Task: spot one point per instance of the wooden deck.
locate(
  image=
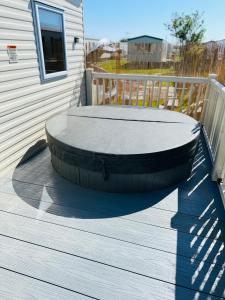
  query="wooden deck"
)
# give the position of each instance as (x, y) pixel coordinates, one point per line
(59, 241)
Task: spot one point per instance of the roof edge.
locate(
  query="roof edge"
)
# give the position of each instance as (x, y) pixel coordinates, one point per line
(141, 36)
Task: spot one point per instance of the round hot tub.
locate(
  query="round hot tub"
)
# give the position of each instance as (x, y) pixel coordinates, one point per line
(122, 149)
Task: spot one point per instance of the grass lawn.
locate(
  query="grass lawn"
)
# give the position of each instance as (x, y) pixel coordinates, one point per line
(110, 66)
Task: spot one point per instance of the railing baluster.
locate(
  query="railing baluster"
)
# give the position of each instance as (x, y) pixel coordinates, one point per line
(152, 94)
(97, 91)
(182, 96)
(198, 100)
(117, 92)
(103, 100)
(190, 99)
(159, 94)
(145, 90)
(110, 91)
(123, 92)
(205, 103)
(137, 92)
(149, 92)
(130, 92)
(167, 95)
(174, 96)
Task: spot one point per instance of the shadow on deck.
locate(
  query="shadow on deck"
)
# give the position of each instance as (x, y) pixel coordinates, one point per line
(179, 232)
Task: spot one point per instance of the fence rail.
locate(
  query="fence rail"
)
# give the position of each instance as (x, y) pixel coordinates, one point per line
(200, 97)
(184, 94)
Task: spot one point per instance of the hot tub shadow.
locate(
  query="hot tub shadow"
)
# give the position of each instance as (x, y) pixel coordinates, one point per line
(37, 183)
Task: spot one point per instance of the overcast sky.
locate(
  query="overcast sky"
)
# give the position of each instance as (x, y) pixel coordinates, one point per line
(116, 19)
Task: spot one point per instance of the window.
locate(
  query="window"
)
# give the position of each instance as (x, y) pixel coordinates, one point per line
(50, 35)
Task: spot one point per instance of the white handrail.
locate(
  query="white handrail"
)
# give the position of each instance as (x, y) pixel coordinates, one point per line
(135, 77)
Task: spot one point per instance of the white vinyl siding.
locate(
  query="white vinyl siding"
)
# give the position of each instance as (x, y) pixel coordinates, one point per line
(25, 102)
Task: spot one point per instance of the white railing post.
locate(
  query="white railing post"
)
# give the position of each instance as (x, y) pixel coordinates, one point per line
(89, 86)
(212, 76)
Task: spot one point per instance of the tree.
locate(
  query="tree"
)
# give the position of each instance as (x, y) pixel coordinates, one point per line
(188, 29)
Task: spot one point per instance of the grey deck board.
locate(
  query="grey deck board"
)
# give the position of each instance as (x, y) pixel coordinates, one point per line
(114, 253)
(22, 287)
(167, 244)
(151, 215)
(80, 275)
(118, 229)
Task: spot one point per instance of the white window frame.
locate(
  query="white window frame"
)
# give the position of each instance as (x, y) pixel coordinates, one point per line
(44, 75)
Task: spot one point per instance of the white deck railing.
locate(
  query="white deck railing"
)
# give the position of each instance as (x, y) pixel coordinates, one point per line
(184, 94)
(200, 97)
(213, 120)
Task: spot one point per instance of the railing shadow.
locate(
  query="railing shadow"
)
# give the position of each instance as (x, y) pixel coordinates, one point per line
(201, 253)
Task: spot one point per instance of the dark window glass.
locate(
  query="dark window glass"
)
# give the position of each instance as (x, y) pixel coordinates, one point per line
(51, 26)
